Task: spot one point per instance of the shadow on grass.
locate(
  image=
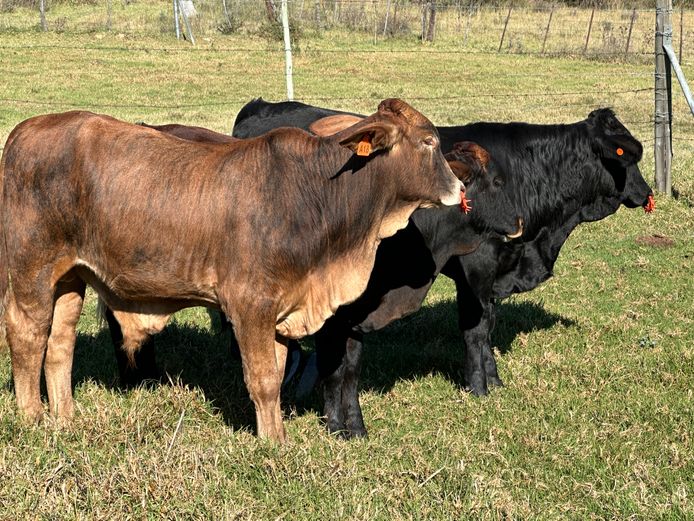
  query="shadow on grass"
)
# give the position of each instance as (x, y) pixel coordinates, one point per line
(430, 342)
(187, 355)
(424, 343)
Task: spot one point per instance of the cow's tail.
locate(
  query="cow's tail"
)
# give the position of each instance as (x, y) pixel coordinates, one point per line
(4, 269)
(100, 313)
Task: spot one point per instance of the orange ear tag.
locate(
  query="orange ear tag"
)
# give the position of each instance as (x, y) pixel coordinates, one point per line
(620, 152)
(364, 146)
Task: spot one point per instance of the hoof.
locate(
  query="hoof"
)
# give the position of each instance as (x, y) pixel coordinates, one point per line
(494, 381)
(477, 390)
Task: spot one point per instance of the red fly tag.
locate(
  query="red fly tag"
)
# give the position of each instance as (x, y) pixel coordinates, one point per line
(464, 203)
(620, 152)
(650, 204)
(364, 146)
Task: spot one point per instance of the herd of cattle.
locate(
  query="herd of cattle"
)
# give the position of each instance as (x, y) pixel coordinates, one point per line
(306, 221)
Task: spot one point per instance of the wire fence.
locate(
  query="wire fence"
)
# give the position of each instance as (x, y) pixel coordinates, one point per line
(471, 26)
(389, 31)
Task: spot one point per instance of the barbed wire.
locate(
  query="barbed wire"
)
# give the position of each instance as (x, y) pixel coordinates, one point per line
(322, 99)
(299, 52)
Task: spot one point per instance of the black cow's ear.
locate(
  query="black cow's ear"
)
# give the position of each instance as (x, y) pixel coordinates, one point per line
(461, 170)
(467, 159)
(365, 138)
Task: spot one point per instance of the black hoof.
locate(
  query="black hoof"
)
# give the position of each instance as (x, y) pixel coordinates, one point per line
(494, 381)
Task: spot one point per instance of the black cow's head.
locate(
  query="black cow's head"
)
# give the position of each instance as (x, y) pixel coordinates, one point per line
(491, 207)
(619, 153)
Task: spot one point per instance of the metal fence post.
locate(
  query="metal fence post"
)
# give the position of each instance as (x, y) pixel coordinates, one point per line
(177, 22)
(663, 98)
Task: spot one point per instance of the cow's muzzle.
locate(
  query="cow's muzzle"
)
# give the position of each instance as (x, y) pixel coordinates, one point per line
(517, 233)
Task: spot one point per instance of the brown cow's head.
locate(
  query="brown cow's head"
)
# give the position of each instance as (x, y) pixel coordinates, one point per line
(409, 143)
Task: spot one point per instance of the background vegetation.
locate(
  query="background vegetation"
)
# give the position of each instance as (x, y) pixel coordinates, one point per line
(596, 417)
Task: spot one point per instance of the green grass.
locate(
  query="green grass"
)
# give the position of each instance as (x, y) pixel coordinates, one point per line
(596, 418)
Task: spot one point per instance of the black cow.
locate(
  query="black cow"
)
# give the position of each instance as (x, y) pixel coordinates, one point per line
(557, 175)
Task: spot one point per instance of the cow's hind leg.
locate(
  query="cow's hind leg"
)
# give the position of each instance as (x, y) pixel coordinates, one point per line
(28, 322)
(69, 298)
(262, 355)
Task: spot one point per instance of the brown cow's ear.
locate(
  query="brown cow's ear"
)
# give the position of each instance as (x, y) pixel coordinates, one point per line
(365, 138)
(333, 124)
(461, 170)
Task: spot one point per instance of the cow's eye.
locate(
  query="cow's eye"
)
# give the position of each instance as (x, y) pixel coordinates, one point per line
(430, 141)
(498, 181)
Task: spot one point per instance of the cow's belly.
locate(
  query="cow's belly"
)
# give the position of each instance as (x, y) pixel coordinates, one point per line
(323, 292)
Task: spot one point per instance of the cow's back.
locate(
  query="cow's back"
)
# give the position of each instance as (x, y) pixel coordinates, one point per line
(259, 117)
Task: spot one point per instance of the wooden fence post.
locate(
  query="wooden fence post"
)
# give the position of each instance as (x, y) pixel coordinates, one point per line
(631, 27)
(385, 25)
(590, 27)
(431, 27)
(681, 28)
(544, 40)
(503, 33)
(663, 98)
(42, 15)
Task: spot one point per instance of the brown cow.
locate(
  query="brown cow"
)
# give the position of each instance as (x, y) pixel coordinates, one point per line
(300, 216)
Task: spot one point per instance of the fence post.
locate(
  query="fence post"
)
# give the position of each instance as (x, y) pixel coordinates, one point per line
(109, 10)
(42, 15)
(503, 33)
(681, 28)
(631, 27)
(287, 51)
(590, 27)
(177, 22)
(189, 29)
(469, 21)
(385, 25)
(544, 41)
(663, 98)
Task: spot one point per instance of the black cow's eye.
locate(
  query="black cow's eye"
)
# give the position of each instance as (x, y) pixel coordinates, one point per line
(430, 141)
(498, 181)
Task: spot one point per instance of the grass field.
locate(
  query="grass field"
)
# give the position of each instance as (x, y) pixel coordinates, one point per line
(596, 420)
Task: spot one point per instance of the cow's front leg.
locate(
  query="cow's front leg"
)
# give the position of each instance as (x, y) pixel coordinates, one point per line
(338, 353)
(263, 356)
(354, 420)
(473, 321)
(488, 359)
